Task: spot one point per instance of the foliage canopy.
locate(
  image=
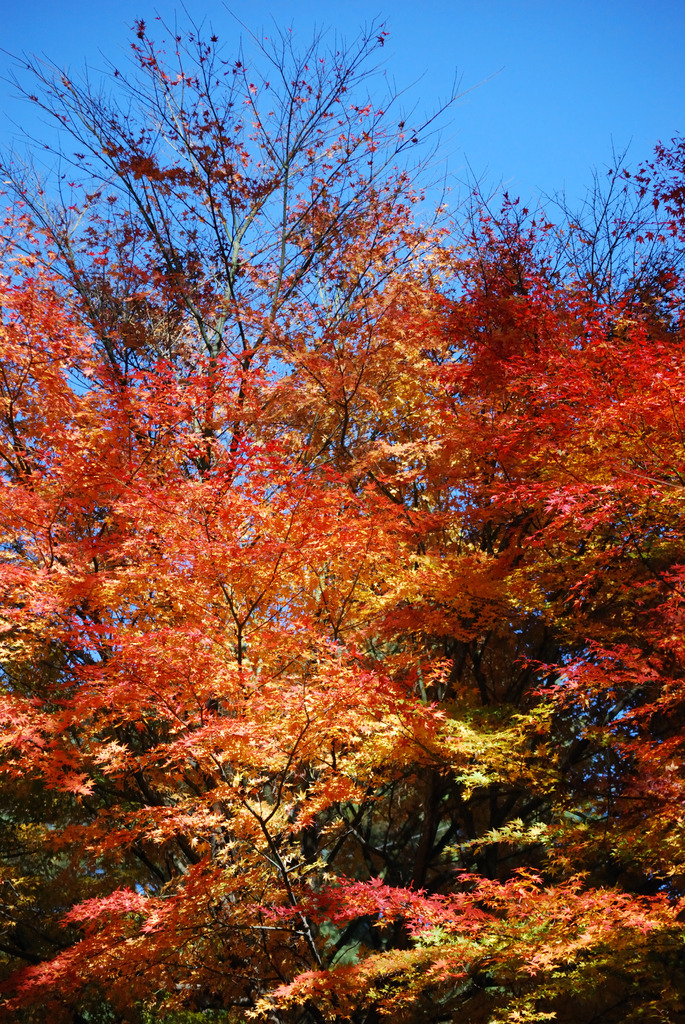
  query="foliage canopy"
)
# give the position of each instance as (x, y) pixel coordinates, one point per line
(342, 569)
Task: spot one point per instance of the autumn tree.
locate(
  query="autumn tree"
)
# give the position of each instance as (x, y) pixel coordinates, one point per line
(341, 571)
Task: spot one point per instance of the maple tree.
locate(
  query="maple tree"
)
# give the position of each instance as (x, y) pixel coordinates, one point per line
(342, 566)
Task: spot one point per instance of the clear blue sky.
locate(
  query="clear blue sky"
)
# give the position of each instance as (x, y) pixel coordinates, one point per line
(560, 79)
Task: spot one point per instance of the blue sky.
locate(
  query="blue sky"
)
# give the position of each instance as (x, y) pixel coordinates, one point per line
(552, 84)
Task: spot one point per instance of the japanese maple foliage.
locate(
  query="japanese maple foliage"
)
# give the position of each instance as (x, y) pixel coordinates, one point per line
(341, 575)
